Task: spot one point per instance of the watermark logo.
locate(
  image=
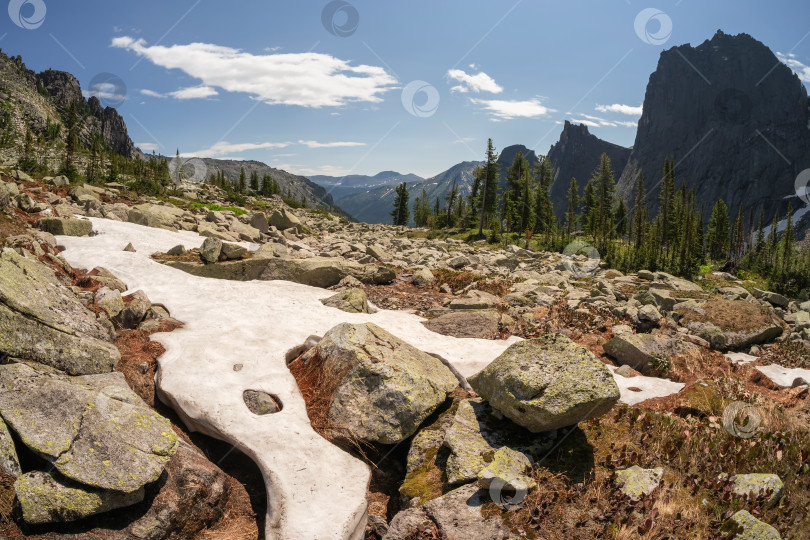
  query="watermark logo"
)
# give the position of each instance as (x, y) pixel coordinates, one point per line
(27, 14)
(180, 169)
(421, 99)
(741, 419)
(508, 495)
(340, 18)
(577, 249)
(109, 89)
(801, 184)
(653, 26)
(733, 106)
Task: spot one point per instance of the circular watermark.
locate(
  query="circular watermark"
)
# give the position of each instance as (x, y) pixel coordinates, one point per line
(801, 184)
(421, 99)
(578, 248)
(181, 169)
(741, 419)
(653, 26)
(733, 106)
(508, 495)
(340, 18)
(109, 89)
(27, 14)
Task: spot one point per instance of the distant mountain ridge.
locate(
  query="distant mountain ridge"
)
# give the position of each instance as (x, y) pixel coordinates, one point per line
(343, 186)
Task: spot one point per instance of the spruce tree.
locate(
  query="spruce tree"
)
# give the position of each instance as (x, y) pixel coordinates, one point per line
(718, 235)
(573, 205)
(489, 188)
(641, 213)
(401, 213)
(242, 180)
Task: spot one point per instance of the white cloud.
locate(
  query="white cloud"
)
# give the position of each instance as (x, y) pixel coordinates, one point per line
(328, 170)
(224, 148)
(596, 121)
(507, 110)
(104, 90)
(152, 93)
(336, 144)
(193, 92)
(304, 79)
(800, 69)
(147, 146)
(618, 108)
(477, 83)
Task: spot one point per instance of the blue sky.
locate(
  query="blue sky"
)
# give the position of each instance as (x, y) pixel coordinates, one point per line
(317, 87)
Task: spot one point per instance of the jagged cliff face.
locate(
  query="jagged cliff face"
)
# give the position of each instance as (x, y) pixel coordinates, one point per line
(732, 117)
(32, 100)
(576, 155)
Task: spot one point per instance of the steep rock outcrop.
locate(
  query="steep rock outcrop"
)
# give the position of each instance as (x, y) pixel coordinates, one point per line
(732, 117)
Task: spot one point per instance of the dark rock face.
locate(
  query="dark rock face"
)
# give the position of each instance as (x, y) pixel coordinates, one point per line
(732, 117)
(63, 89)
(576, 155)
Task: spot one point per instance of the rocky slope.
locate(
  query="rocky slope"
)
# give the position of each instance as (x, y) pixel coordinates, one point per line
(450, 401)
(577, 155)
(733, 118)
(34, 99)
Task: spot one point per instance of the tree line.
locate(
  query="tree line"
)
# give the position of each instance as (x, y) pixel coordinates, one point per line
(627, 237)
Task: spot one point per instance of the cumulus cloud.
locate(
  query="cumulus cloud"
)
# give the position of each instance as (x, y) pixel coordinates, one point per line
(618, 108)
(478, 83)
(596, 121)
(303, 79)
(224, 148)
(104, 90)
(147, 146)
(800, 69)
(193, 92)
(327, 170)
(507, 110)
(336, 144)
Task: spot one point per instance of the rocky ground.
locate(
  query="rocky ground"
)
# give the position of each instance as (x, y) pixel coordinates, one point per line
(474, 391)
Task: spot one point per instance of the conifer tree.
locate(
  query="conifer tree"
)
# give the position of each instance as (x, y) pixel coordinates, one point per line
(489, 188)
(242, 180)
(401, 214)
(718, 234)
(573, 205)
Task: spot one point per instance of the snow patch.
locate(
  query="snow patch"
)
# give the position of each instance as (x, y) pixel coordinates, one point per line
(254, 324)
(740, 358)
(783, 376)
(648, 387)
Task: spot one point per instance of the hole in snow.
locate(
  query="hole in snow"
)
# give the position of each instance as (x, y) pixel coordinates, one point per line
(297, 351)
(261, 403)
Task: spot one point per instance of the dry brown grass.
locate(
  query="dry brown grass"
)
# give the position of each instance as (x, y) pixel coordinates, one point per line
(731, 316)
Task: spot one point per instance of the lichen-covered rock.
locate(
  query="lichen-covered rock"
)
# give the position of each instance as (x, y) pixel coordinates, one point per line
(379, 387)
(635, 482)
(641, 351)
(46, 499)
(92, 428)
(483, 324)
(423, 278)
(260, 402)
(351, 301)
(283, 220)
(210, 250)
(233, 252)
(408, 523)
(458, 515)
(756, 483)
(9, 462)
(110, 301)
(43, 321)
(136, 308)
(508, 468)
(66, 226)
(155, 215)
(547, 383)
(743, 323)
(743, 526)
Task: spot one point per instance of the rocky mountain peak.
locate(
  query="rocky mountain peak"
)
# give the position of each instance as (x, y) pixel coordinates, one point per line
(577, 155)
(732, 117)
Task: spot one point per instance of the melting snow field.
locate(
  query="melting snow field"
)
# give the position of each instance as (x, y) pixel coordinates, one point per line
(315, 490)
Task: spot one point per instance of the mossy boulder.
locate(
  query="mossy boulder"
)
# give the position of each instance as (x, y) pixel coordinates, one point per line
(759, 483)
(210, 250)
(352, 300)
(508, 468)
(743, 526)
(43, 321)
(547, 383)
(155, 215)
(642, 351)
(378, 387)
(92, 428)
(43, 498)
(636, 483)
(66, 226)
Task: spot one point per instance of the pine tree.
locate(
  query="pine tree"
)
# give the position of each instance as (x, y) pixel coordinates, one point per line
(620, 218)
(450, 197)
(254, 181)
(242, 180)
(604, 188)
(573, 205)
(178, 168)
(738, 236)
(401, 213)
(641, 213)
(489, 188)
(718, 234)
(787, 244)
(422, 212)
